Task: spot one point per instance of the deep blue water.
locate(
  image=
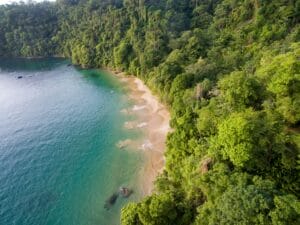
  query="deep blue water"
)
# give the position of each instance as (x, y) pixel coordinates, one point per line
(58, 132)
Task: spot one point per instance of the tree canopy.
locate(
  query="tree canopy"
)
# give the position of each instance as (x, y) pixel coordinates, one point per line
(229, 71)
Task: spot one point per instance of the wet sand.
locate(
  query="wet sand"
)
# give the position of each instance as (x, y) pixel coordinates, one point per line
(153, 119)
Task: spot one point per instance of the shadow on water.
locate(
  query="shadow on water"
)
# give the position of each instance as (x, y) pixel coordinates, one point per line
(93, 75)
(34, 64)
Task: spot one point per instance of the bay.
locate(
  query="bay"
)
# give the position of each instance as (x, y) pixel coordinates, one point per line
(59, 126)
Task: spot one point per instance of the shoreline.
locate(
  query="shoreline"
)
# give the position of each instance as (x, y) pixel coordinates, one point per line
(153, 118)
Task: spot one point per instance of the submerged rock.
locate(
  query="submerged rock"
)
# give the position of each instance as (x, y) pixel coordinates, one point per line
(20, 77)
(123, 191)
(123, 144)
(111, 200)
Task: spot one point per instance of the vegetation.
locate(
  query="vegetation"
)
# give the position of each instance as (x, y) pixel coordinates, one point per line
(230, 71)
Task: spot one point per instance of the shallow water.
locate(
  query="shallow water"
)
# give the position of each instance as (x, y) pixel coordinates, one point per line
(58, 132)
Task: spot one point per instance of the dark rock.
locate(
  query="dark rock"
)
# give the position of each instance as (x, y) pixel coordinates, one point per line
(20, 77)
(111, 201)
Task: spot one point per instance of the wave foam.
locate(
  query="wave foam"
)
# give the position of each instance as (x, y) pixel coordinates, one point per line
(147, 145)
(141, 125)
(138, 107)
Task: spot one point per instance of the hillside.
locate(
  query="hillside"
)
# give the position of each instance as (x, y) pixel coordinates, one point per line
(229, 71)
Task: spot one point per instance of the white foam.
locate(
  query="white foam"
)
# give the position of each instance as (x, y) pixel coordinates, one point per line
(147, 145)
(129, 125)
(123, 144)
(138, 107)
(141, 125)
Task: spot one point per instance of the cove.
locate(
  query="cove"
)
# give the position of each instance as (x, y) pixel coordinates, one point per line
(59, 126)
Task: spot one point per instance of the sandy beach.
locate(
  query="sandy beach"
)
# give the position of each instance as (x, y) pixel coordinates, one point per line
(153, 118)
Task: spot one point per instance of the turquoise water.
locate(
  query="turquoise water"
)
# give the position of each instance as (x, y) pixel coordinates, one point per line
(58, 132)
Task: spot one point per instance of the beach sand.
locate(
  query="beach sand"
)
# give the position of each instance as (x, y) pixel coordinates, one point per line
(153, 118)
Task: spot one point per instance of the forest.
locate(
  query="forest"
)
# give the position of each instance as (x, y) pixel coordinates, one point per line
(229, 70)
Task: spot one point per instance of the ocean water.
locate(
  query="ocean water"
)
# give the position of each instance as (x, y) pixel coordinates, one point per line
(58, 132)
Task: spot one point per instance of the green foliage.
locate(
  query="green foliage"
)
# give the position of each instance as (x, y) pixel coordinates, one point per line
(27, 30)
(158, 210)
(245, 201)
(154, 210)
(238, 205)
(283, 75)
(129, 215)
(287, 210)
(208, 119)
(241, 91)
(122, 55)
(229, 71)
(244, 139)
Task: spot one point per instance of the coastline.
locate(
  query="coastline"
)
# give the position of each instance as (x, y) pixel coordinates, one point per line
(153, 119)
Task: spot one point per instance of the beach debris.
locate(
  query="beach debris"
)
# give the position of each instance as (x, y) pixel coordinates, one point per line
(20, 77)
(111, 200)
(125, 192)
(123, 144)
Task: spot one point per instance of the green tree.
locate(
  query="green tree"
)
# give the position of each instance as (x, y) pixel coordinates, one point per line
(287, 210)
(240, 90)
(129, 215)
(248, 140)
(282, 77)
(158, 210)
(239, 205)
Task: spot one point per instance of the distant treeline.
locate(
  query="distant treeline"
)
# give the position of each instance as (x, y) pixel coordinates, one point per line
(230, 72)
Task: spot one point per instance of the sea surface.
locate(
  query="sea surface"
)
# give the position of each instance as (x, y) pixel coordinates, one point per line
(59, 126)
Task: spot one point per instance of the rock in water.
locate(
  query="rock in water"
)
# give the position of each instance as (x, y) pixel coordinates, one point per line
(20, 77)
(111, 201)
(125, 192)
(123, 144)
